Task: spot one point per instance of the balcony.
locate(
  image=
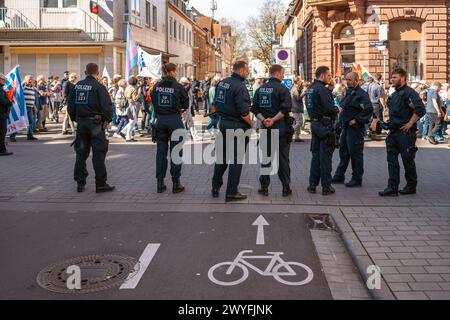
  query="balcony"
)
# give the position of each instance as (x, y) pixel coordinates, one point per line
(48, 20)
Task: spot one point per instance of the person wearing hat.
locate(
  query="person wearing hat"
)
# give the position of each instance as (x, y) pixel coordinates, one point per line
(5, 104)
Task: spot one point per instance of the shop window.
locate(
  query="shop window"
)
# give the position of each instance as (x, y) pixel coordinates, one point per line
(405, 47)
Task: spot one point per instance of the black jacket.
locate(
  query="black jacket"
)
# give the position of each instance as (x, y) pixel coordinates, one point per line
(403, 104)
(169, 97)
(319, 101)
(88, 98)
(271, 98)
(232, 99)
(5, 104)
(356, 105)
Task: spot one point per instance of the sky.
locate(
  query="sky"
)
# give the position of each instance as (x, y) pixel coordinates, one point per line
(239, 10)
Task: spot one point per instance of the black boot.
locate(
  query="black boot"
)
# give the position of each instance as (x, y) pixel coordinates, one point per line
(104, 188)
(338, 180)
(353, 184)
(312, 189)
(81, 187)
(264, 191)
(177, 187)
(287, 191)
(389, 192)
(408, 191)
(161, 186)
(215, 192)
(327, 191)
(235, 197)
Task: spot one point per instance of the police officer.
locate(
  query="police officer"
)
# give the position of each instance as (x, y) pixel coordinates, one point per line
(5, 104)
(232, 102)
(322, 111)
(170, 100)
(90, 106)
(357, 111)
(272, 104)
(405, 109)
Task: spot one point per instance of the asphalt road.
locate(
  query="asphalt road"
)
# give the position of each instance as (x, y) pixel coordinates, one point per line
(187, 246)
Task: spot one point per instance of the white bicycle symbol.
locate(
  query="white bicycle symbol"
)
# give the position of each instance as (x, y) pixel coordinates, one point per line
(274, 269)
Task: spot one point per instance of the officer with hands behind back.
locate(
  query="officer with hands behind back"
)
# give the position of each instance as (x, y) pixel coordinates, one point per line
(272, 104)
(232, 102)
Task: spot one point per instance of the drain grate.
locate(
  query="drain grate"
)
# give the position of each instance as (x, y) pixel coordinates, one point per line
(98, 273)
(320, 222)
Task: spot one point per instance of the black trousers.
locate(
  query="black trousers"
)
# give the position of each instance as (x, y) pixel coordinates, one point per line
(284, 170)
(90, 135)
(322, 161)
(3, 130)
(351, 150)
(403, 144)
(165, 126)
(230, 162)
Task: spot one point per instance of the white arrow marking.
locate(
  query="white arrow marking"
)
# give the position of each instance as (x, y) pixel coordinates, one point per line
(145, 259)
(260, 222)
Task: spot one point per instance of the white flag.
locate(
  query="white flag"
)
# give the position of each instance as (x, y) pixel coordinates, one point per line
(149, 65)
(106, 73)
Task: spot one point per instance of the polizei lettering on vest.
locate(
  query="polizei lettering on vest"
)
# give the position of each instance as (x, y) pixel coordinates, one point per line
(165, 90)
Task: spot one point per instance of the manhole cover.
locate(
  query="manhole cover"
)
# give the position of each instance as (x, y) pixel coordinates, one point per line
(97, 273)
(320, 222)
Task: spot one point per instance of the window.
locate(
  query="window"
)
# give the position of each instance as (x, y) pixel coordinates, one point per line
(171, 27)
(183, 34)
(347, 32)
(155, 18)
(148, 17)
(70, 3)
(136, 7)
(179, 32)
(49, 3)
(175, 29)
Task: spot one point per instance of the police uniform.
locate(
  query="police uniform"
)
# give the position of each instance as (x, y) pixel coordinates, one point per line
(402, 104)
(89, 104)
(5, 104)
(356, 106)
(232, 102)
(269, 100)
(170, 100)
(322, 111)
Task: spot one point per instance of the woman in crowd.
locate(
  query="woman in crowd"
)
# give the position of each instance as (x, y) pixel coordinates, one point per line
(213, 124)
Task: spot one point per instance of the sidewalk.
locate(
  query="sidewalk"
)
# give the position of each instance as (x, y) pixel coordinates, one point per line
(408, 237)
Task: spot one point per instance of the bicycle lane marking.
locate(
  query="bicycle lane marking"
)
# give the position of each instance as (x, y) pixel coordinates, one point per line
(144, 261)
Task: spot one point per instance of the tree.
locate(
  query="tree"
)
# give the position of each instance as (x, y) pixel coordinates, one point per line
(262, 29)
(238, 30)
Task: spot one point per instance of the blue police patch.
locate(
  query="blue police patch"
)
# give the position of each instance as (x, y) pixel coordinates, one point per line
(81, 96)
(265, 100)
(221, 95)
(309, 99)
(165, 100)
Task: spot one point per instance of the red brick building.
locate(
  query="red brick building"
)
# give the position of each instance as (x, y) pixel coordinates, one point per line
(331, 32)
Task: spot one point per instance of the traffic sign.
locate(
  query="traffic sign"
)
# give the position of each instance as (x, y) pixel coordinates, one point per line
(283, 55)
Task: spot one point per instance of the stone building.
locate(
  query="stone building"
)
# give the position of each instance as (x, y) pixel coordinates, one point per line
(338, 33)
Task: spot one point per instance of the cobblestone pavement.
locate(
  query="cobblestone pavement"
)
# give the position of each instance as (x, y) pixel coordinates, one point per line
(408, 237)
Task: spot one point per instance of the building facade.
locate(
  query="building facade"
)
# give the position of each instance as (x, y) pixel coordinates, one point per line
(181, 37)
(335, 33)
(52, 36)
